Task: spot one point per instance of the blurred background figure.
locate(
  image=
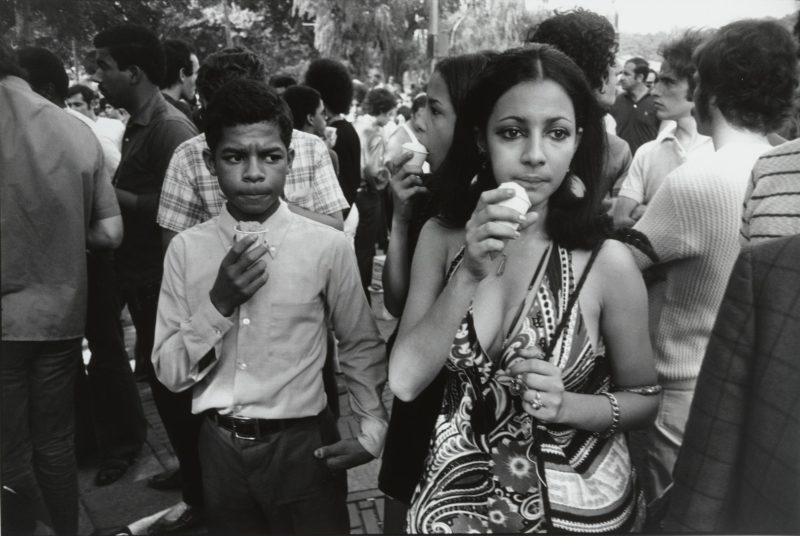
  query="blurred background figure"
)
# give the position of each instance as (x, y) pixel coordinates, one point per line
(180, 75)
(57, 200)
(633, 110)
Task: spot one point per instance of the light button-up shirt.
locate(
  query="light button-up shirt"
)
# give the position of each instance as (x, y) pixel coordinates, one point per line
(265, 360)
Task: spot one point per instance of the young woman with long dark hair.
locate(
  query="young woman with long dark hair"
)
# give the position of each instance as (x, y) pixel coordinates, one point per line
(539, 321)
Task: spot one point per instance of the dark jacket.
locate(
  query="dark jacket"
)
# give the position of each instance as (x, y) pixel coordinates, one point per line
(739, 467)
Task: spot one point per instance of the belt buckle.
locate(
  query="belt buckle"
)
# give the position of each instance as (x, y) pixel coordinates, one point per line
(240, 435)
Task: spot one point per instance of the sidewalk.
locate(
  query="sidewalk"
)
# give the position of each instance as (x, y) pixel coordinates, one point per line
(129, 501)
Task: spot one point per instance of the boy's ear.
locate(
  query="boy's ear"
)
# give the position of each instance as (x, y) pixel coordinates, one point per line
(211, 164)
(309, 119)
(290, 157)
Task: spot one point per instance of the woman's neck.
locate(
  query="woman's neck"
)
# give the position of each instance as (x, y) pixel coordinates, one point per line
(537, 228)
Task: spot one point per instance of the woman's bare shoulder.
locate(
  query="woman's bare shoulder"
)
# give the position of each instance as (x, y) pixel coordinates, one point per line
(440, 238)
(615, 257)
(613, 267)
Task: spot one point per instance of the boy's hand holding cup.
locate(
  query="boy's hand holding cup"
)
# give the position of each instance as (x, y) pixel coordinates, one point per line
(243, 270)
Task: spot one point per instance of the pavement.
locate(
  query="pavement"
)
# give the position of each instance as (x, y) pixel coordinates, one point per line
(130, 502)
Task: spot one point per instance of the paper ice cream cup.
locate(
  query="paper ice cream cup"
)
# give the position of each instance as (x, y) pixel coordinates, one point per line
(519, 203)
(418, 150)
(245, 229)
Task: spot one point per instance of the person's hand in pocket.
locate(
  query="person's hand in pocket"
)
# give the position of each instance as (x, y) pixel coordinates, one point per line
(344, 454)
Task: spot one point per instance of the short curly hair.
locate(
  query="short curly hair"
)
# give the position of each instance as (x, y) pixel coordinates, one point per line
(585, 37)
(334, 83)
(132, 44)
(678, 53)
(227, 65)
(750, 68)
(379, 101)
(246, 102)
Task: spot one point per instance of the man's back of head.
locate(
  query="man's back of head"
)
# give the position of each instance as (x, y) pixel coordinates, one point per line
(45, 73)
(225, 66)
(590, 41)
(748, 72)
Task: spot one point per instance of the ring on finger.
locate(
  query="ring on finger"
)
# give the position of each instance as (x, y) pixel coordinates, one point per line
(536, 403)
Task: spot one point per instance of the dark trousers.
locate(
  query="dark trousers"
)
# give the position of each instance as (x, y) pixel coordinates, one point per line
(38, 428)
(368, 232)
(175, 409)
(107, 386)
(274, 485)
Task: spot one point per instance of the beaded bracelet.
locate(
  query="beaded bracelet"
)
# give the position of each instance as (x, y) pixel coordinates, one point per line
(615, 414)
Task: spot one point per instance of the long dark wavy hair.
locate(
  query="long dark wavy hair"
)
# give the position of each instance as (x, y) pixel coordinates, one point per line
(572, 222)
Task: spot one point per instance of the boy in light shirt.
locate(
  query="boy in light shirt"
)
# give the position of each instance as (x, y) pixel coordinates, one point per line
(243, 323)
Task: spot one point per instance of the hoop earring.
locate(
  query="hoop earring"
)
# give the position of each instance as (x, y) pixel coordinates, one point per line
(576, 186)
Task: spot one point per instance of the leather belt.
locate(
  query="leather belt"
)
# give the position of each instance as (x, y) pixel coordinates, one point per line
(254, 429)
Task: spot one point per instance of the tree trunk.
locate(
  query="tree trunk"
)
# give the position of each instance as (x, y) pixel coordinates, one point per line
(75, 65)
(22, 15)
(227, 23)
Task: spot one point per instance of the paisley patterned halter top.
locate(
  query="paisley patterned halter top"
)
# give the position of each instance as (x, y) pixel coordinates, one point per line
(521, 475)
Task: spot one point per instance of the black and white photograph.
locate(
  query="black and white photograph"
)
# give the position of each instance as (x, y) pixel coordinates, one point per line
(399, 267)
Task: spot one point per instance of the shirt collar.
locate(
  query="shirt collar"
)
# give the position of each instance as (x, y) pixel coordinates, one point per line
(15, 82)
(151, 107)
(276, 227)
(668, 131)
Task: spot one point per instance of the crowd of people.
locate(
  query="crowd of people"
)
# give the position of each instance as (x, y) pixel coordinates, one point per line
(595, 272)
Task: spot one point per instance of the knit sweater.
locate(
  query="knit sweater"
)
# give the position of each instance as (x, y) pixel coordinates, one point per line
(693, 224)
(772, 202)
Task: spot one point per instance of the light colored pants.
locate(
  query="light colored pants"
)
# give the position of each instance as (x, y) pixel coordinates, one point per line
(664, 440)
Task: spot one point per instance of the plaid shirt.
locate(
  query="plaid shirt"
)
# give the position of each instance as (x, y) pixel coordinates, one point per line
(191, 194)
(739, 466)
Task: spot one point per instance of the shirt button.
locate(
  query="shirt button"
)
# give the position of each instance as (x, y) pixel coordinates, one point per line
(242, 366)
(237, 408)
(246, 321)
(217, 331)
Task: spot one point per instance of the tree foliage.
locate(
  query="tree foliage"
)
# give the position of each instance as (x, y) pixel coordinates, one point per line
(388, 34)
(367, 33)
(270, 28)
(486, 25)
